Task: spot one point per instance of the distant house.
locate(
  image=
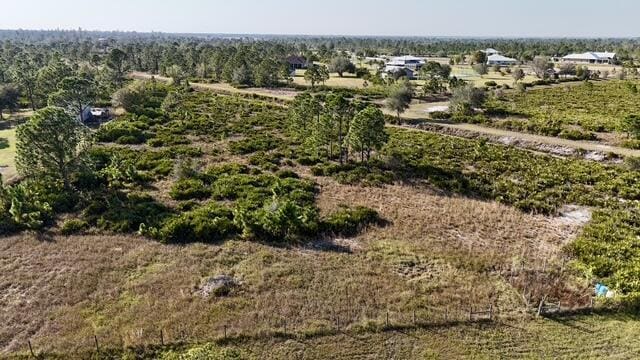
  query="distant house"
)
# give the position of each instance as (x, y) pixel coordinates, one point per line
(591, 58)
(407, 61)
(490, 51)
(297, 62)
(497, 59)
(398, 72)
(408, 65)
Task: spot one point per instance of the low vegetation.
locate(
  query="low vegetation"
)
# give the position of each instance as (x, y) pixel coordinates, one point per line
(573, 112)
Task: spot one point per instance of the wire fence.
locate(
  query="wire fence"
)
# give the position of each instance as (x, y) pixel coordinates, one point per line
(279, 327)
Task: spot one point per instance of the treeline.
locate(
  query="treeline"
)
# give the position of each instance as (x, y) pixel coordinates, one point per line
(520, 48)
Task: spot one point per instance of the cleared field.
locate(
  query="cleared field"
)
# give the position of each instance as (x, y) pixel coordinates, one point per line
(334, 81)
(440, 247)
(281, 94)
(59, 292)
(463, 228)
(466, 72)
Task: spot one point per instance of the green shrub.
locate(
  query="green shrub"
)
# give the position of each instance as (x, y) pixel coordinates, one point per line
(280, 219)
(119, 212)
(440, 115)
(287, 174)
(73, 226)
(185, 189)
(575, 134)
(350, 221)
(122, 132)
(209, 223)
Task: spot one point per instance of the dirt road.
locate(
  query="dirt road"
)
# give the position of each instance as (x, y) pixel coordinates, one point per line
(280, 94)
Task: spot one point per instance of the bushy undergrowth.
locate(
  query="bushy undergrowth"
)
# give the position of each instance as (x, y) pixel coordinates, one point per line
(595, 107)
(348, 221)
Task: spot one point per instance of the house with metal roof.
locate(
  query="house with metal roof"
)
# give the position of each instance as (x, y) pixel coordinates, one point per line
(491, 51)
(408, 65)
(497, 59)
(591, 58)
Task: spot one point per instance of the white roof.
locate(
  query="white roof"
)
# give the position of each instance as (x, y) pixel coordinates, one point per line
(402, 60)
(396, 68)
(490, 51)
(500, 58)
(591, 56)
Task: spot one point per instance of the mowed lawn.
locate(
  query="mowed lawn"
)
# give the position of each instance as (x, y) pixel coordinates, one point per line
(466, 73)
(7, 154)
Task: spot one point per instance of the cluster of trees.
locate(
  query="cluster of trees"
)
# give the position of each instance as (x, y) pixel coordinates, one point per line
(333, 125)
(436, 77)
(51, 154)
(33, 79)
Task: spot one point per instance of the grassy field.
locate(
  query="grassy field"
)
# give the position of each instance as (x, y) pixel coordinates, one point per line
(348, 81)
(280, 94)
(439, 248)
(466, 72)
(466, 225)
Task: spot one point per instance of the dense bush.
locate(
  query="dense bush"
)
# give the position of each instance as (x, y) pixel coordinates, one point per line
(575, 134)
(185, 189)
(123, 132)
(73, 226)
(208, 223)
(350, 221)
(119, 212)
(355, 173)
(595, 107)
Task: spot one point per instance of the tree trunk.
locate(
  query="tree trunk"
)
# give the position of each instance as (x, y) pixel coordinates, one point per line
(33, 103)
(340, 139)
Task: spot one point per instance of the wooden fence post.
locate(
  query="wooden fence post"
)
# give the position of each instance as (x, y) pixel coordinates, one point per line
(490, 312)
(95, 338)
(387, 318)
(471, 314)
(414, 318)
(540, 306)
(31, 349)
(225, 330)
(161, 338)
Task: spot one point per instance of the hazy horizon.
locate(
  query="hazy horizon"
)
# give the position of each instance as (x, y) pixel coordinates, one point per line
(464, 18)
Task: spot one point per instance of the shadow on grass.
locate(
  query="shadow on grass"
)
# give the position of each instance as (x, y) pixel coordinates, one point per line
(4, 143)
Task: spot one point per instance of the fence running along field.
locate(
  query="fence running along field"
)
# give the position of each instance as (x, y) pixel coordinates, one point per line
(279, 328)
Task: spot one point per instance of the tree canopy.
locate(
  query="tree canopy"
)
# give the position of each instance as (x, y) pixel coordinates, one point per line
(51, 144)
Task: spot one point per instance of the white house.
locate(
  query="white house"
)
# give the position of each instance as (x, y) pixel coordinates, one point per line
(490, 51)
(407, 61)
(497, 59)
(408, 64)
(591, 58)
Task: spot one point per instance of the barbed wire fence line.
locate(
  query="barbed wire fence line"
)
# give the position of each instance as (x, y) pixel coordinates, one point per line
(276, 326)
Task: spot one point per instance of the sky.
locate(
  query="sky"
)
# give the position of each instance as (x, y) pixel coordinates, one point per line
(469, 18)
